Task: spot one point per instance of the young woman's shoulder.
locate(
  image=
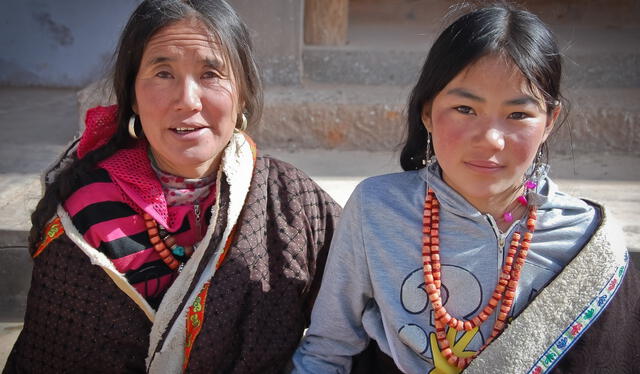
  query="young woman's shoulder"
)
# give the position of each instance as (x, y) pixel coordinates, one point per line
(563, 208)
(392, 181)
(565, 221)
(391, 189)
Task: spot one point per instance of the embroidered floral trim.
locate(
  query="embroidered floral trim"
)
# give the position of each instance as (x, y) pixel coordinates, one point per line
(195, 315)
(579, 325)
(53, 231)
(195, 319)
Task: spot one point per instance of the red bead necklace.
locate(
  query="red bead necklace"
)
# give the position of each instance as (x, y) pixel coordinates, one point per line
(164, 244)
(505, 290)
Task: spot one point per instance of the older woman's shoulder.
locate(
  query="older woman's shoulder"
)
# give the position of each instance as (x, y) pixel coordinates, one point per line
(95, 183)
(279, 167)
(281, 175)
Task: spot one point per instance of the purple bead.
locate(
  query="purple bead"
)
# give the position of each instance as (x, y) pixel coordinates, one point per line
(507, 216)
(530, 184)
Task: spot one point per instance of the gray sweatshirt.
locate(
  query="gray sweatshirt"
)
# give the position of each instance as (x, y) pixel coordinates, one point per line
(373, 285)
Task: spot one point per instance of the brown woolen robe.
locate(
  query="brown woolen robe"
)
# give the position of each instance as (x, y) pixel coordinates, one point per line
(78, 320)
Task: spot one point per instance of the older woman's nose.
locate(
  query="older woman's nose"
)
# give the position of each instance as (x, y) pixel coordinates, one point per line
(189, 96)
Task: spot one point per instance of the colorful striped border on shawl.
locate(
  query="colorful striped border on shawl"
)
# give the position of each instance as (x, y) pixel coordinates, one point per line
(53, 231)
(579, 325)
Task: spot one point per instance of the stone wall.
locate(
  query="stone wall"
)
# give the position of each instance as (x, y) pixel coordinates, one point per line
(70, 43)
(276, 27)
(614, 13)
(59, 43)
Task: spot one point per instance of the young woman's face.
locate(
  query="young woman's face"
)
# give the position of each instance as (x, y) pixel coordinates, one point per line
(486, 127)
(186, 99)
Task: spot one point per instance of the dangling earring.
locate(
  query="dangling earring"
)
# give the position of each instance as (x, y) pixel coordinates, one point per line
(427, 152)
(530, 183)
(538, 161)
(243, 122)
(537, 166)
(132, 127)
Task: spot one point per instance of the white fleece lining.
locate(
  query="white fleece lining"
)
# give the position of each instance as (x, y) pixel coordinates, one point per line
(557, 305)
(237, 165)
(63, 160)
(98, 258)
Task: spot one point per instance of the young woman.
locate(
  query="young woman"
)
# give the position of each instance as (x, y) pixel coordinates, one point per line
(164, 243)
(472, 258)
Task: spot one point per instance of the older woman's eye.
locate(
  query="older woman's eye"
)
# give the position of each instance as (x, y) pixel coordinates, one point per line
(163, 74)
(464, 109)
(210, 75)
(518, 115)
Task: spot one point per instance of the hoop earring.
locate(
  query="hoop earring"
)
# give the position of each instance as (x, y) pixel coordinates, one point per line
(243, 122)
(132, 127)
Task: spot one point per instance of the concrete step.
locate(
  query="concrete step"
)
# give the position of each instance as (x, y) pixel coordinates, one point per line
(9, 332)
(388, 53)
(356, 117)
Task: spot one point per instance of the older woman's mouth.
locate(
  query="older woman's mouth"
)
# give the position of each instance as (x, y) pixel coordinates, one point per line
(185, 130)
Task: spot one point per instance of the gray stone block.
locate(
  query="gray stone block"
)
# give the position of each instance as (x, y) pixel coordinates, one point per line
(15, 278)
(635, 257)
(345, 65)
(380, 66)
(334, 117)
(276, 28)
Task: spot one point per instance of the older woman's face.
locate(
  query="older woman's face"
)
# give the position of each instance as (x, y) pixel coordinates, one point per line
(186, 99)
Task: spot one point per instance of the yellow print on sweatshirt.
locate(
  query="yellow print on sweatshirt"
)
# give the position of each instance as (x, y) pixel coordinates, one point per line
(458, 347)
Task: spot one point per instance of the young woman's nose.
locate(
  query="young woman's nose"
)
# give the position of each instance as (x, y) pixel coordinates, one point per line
(491, 136)
(495, 138)
(189, 96)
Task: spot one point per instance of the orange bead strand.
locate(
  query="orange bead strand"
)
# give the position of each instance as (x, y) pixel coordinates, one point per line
(158, 244)
(503, 294)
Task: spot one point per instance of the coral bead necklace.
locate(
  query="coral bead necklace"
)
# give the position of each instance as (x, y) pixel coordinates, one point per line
(164, 244)
(503, 294)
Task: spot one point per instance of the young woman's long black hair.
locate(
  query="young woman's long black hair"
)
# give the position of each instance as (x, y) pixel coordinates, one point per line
(499, 29)
(148, 18)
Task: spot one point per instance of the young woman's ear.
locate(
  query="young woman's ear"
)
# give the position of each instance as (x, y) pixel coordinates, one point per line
(426, 118)
(551, 121)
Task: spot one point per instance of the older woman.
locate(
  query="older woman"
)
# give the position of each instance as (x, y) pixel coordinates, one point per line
(163, 243)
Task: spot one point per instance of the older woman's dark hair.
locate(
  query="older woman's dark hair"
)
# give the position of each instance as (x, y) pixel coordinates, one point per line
(149, 17)
(501, 30)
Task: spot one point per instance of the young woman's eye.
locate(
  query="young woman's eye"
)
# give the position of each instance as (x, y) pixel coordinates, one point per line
(464, 109)
(518, 115)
